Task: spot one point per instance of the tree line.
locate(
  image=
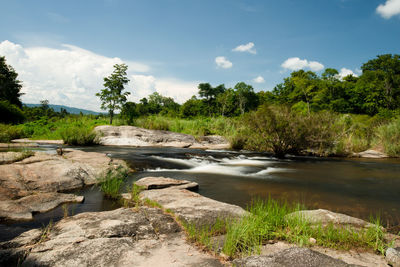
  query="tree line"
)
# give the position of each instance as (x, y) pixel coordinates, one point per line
(375, 91)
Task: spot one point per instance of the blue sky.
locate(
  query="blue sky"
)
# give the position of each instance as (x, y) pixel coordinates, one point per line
(63, 49)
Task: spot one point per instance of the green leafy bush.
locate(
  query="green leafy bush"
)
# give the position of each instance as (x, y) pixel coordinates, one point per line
(78, 136)
(10, 132)
(10, 113)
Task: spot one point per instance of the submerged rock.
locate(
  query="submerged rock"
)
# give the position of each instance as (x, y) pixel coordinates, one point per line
(326, 217)
(122, 237)
(135, 136)
(299, 257)
(31, 185)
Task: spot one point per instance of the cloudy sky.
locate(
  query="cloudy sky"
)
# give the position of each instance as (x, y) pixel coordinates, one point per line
(63, 49)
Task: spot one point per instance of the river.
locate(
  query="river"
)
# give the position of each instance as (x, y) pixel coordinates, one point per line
(357, 187)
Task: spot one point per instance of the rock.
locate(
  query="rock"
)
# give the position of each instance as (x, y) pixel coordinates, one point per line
(370, 153)
(25, 140)
(10, 156)
(122, 237)
(31, 185)
(23, 208)
(299, 257)
(192, 207)
(393, 256)
(326, 217)
(312, 240)
(162, 182)
(135, 136)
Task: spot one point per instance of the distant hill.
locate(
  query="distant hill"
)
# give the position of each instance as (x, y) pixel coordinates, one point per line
(71, 110)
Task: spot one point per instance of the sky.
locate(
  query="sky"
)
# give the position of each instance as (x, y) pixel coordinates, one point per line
(62, 50)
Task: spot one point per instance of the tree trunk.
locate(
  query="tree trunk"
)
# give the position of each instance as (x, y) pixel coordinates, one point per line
(111, 116)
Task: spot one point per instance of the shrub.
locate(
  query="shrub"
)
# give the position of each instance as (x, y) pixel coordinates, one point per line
(283, 131)
(75, 135)
(389, 136)
(10, 132)
(10, 113)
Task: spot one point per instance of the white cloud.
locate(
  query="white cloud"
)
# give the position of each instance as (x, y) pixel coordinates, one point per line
(222, 62)
(144, 85)
(259, 79)
(346, 72)
(295, 63)
(72, 76)
(389, 9)
(246, 48)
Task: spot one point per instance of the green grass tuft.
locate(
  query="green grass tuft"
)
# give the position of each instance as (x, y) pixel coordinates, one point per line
(111, 183)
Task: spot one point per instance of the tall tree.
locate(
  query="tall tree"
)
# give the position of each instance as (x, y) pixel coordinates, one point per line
(10, 86)
(112, 97)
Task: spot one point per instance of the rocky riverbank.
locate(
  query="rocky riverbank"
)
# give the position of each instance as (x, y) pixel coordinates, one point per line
(37, 182)
(147, 236)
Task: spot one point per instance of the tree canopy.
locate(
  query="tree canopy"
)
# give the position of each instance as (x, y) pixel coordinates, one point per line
(112, 98)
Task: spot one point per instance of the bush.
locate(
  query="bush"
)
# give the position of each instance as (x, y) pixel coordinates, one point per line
(78, 136)
(10, 113)
(283, 131)
(389, 136)
(10, 132)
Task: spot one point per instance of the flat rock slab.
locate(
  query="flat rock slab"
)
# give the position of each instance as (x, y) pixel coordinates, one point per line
(139, 137)
(23, 208)
(299, 257)
(150, 183)
(326, 217)
(45, 173)
(192, 207)
(122, 237)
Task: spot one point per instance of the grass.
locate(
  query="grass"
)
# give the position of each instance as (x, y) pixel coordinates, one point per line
(267, 220)
(112, 181)
(389, 136)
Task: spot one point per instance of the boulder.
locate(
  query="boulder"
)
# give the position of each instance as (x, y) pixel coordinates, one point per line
(31, 185)
(122, 237)
(325, 217)
(299, 257)
(135, 136)
(393, 256)
(12, 156)
(149, 183)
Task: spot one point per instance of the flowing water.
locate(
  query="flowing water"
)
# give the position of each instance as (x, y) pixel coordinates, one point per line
(357, 187)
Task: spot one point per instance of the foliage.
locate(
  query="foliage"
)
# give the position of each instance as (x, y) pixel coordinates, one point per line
(10, 113)
(389, 136)
(269, 220)
(10, 86)
(278, 129)
(78, 135)
(112, 98)
(10, 132)
(112, 181)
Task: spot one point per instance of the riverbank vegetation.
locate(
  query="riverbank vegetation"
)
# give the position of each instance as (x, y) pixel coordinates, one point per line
(324, 114)
(269, 221)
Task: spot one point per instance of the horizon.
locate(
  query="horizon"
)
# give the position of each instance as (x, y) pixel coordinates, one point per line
(62, 51)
